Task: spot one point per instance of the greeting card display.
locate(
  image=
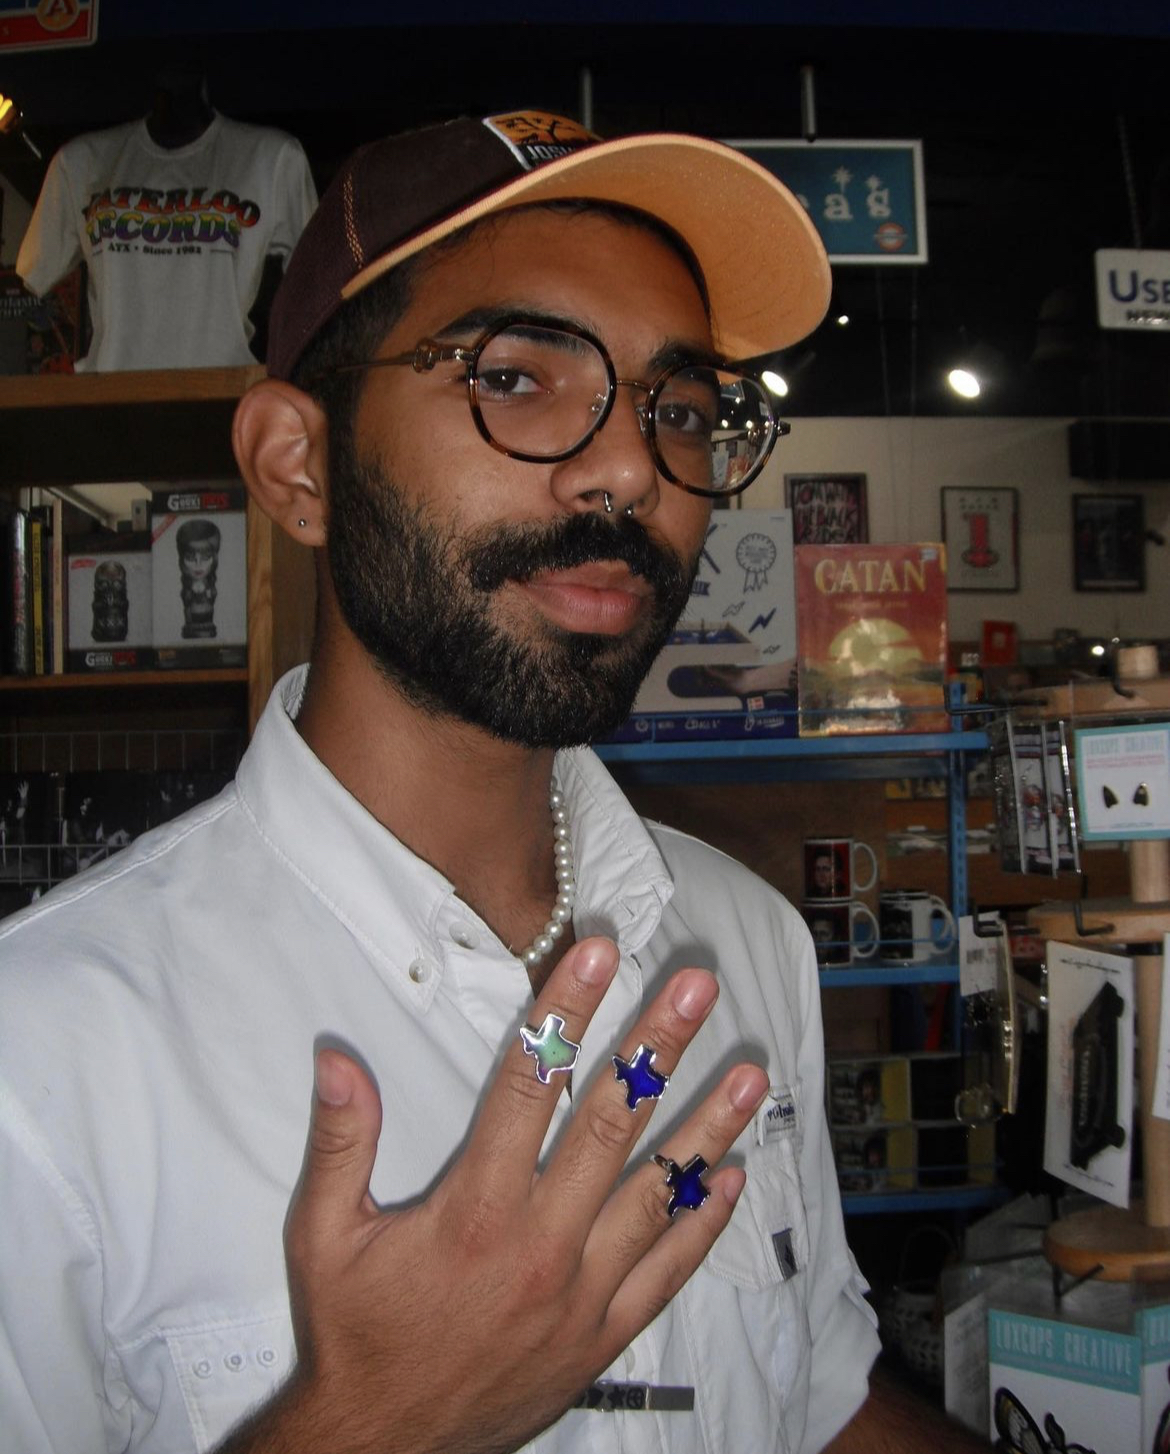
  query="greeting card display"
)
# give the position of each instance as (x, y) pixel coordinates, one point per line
(1034, 802)
(872, 638)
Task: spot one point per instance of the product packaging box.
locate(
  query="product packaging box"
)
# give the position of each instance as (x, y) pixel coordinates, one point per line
(1090, 1373)
(869, 1092)
(872, 638)
(874, 1159)
(109, 603)
(199, 533)
(732, 653)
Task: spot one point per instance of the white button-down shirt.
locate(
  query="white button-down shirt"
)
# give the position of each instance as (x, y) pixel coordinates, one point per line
(158, 1018)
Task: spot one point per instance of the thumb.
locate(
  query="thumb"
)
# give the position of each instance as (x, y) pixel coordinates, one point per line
(343, 1141)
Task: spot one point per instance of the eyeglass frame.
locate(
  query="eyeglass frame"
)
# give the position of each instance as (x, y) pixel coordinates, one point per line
(429, 351)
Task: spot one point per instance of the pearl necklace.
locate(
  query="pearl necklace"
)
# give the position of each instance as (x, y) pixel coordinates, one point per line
(562, 912)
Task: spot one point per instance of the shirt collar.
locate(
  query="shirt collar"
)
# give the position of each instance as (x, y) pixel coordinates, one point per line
(392, 900)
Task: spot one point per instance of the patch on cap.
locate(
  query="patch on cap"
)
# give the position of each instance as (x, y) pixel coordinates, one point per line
(536, 137)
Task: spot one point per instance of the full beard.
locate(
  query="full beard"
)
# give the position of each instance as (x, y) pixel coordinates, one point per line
(420, 600)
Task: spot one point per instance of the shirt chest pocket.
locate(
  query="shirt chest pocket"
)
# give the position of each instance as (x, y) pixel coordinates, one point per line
(766, 1242)
(226, 1369)
(761, 1261)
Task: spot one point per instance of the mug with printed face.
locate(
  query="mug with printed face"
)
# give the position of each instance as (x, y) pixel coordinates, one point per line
(915, 925)
(833, 924)
(831, 867)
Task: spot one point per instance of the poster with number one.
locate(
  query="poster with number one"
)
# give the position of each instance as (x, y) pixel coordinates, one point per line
(980, 527)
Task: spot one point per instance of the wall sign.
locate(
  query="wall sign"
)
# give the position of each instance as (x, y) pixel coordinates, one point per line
(1133, 288)
(980, 529)
(47, 24)
(866, 198)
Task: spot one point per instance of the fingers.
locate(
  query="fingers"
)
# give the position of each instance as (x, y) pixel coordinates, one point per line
(607, 1123)
(333, 1197)
(662, 1270)
(516, 1111)
(637, 1214)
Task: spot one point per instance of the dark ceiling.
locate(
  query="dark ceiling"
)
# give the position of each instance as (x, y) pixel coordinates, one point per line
(1040, 145)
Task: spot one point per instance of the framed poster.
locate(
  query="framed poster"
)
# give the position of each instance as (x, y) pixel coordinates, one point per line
(981, 530)
(1109, 543)
(827, 509)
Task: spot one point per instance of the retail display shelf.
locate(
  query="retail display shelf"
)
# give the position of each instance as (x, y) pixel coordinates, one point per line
(91, 681)
(940, 1199)
(892, 744)
(931, 972)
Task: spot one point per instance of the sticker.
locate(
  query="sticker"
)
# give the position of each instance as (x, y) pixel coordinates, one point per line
(536, 137)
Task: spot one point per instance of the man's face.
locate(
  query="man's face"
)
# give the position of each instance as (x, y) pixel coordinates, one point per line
(497, 590)
(823, 873)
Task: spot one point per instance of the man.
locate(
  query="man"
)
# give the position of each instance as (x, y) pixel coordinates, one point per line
(500, 425)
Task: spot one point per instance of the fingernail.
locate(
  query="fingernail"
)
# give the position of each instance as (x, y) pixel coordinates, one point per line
(694, 995)
(731, 1187)
(748, 1088)
(332, 1082)
(596, 961)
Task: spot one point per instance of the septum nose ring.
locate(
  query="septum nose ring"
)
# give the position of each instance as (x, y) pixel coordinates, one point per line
(607, 501)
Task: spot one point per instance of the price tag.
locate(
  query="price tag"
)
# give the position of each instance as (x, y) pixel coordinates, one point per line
(978, 956)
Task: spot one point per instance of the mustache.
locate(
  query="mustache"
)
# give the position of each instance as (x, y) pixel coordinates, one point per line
(518, 552)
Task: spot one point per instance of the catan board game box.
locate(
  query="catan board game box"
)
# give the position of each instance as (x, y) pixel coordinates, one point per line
(871, 626)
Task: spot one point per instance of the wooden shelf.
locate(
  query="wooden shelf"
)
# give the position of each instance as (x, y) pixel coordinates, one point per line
(91, 681)
(153, 386)
(161, 424)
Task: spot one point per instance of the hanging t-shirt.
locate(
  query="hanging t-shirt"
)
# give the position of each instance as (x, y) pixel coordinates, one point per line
(174, 239)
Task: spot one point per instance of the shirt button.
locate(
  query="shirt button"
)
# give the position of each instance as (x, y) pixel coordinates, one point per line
(203, 1368)
(267, 1356)
(419, 971)
(234, 1362)
(464, 935)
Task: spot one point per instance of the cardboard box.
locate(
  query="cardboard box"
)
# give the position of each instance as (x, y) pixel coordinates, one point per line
(868, 1092)
(874, 1159)
(1093, 1368)
(734, 648)
(200, 554)
(110, 604)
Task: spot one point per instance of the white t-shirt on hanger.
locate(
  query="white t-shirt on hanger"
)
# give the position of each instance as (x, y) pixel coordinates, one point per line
(175, 239)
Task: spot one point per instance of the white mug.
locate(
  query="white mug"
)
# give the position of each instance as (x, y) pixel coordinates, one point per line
(831, 867)
(915, 925)
(833, 924)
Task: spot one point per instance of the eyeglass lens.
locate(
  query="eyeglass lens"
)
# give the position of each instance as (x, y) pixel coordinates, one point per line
(540, 391)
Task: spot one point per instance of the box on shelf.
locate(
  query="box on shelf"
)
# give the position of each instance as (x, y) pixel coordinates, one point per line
(40, 335)
(868, 1092)
(872, 638)
(1091, 1371)
(199, 533)
(875, 1158)
(733, 650)
(109, 603)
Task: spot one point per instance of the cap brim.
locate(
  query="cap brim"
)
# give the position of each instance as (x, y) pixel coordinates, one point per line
(765, 266)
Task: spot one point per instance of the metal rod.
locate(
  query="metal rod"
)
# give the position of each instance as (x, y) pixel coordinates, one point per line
(585, 83)
(808, 103)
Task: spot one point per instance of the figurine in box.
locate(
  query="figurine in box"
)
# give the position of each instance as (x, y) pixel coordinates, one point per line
(198, 545)
(111, 603)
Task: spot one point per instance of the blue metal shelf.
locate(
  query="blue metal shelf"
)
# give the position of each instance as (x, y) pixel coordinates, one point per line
(932, 972)
(878, 744)
(945, 1199)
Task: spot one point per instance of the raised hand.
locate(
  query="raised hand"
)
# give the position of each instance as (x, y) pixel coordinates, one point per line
(470, 1321)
